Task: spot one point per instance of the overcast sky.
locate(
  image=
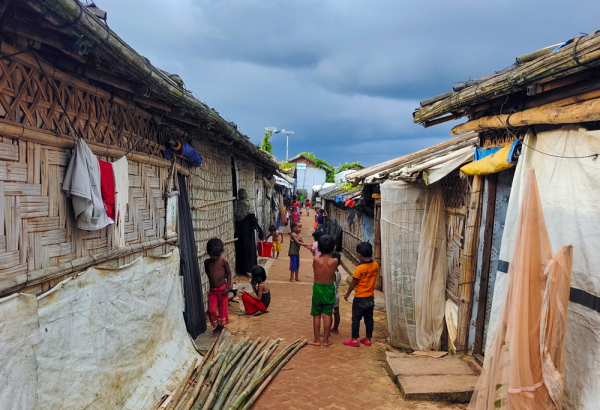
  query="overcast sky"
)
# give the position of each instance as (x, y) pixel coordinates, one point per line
(344, 75)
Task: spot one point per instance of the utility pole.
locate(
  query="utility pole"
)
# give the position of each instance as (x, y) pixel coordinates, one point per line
(287, 143)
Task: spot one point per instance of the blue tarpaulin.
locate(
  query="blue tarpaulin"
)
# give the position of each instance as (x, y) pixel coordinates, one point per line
(185, 151)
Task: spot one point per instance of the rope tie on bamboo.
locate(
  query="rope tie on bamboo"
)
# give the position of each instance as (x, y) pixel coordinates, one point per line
(577, 61)
(72, 23)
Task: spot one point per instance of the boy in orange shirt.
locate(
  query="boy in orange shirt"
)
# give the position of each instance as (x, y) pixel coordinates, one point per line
(363, 284)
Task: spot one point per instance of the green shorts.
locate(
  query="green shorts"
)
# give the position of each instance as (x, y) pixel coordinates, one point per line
(323, 299)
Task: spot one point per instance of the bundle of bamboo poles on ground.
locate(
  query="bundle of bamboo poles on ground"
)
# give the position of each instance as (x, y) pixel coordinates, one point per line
(231, 376)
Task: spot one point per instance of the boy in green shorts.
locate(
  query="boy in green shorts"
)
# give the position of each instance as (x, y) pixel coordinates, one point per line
(323, 298)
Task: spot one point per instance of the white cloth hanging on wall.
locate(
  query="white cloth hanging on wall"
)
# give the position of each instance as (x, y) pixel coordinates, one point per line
(82, 184)
(121, 171)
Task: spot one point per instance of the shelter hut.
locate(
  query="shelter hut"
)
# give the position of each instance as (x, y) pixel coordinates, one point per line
(308, 173)
(549, 101)
(345, 221)
(399, 189)
(67, 77)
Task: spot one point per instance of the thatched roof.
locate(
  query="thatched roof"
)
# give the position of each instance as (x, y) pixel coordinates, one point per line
(408, 167)
(70, 26)
(535, 78)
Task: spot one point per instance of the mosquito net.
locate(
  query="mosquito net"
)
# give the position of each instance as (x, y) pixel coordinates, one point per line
(525, 368)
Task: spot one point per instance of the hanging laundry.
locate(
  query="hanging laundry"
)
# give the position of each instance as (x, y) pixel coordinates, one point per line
(186, 151)
(121, 174)
(82, 184)
(107, 188)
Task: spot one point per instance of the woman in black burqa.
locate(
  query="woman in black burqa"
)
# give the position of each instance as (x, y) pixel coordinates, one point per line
(245, 227)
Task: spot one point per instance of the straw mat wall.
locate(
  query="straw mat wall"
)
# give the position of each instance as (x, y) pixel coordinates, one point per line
(37, 228)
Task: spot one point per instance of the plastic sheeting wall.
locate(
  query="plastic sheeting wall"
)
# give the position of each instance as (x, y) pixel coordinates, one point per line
(308, 177)
(402, 208)
(570, 201)
(109, 338)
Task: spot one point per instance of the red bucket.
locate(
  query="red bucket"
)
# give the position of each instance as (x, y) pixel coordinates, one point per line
(264, 249)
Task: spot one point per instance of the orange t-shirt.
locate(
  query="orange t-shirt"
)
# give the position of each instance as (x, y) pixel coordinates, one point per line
(366, 273)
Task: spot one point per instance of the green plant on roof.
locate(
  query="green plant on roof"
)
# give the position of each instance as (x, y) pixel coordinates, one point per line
(329, 172)
(286, 166)
(347, 166)
(266, 142)
(348, 187)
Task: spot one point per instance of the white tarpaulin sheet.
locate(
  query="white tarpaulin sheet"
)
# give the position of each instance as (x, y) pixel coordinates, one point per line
(105, 339)
(570, 195)
(437, 168)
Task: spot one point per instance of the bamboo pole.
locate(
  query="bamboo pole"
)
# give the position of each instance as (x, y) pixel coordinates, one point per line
(182, 386)
(465, 285)
(216, 201)
(262, 375)
(189, 400)
(553, 113)
(223, 375)
(232, 379)
(560, 63)
(208, 383)
(252, 361)
(80, 264)
(268, 380)
(44, 137)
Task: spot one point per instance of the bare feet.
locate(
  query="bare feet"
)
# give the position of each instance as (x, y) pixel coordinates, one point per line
(314, 343)
(297, 280)
(335, 331)
(292, 280)
(327, 343)
(217, 331)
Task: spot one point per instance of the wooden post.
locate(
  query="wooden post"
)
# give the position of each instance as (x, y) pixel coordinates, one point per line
(465, 284)
(492, 183)
(377, 241)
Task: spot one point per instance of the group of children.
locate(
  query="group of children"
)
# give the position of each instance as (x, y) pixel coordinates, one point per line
(327, 277)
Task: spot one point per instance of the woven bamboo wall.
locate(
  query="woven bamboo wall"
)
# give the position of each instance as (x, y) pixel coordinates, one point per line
(37, 228)
(352, 235)
(455, 190)
(37, 222)
(210, 183)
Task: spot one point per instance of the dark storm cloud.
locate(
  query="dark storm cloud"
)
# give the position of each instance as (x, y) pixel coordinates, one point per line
(344, 75)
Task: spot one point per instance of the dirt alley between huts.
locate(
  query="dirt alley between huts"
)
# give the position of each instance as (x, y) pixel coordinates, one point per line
(334, 377)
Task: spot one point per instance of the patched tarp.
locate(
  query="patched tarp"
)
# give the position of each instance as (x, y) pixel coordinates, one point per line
(568, 179)
(105, 339)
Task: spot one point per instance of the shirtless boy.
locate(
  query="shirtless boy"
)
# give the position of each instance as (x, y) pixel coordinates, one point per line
(276, 235)
(219, 276)
(323, 298)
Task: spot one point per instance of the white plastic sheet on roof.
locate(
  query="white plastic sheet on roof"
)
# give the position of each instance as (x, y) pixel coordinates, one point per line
(570, 196)
(105, 339)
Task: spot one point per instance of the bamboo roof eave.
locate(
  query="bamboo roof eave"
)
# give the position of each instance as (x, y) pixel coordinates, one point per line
(575, 57)
(381, 171)
(66, 16)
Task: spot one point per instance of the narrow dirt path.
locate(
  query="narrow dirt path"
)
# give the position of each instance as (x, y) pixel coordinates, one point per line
(334, 377)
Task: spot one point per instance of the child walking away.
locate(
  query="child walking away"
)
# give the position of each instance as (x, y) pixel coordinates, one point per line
(321, 218)
(219, 277)
(308, 207)
(315, 246)
(336, 306)
(363, 284)
(259, 303)
(294, 252)
(276, 235)
(323, 297)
